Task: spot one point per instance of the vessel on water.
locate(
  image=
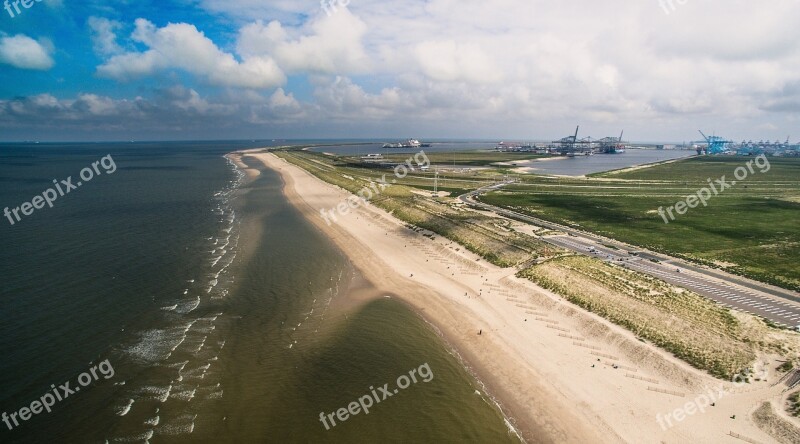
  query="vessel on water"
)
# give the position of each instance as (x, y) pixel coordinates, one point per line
(408, 143)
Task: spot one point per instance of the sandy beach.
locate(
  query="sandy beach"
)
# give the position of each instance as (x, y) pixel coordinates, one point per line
(559, 373)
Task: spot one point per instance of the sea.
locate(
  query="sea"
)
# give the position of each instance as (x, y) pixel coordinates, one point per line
(176, 300)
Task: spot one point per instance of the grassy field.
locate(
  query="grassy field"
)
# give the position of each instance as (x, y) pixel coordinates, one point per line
(751, 229)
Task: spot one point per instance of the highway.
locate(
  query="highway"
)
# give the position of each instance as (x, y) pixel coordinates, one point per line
(780, 306)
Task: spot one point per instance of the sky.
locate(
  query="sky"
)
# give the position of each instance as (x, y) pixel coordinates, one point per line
(428, 69)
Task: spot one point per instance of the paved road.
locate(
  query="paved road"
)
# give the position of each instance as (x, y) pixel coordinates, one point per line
(779, 306)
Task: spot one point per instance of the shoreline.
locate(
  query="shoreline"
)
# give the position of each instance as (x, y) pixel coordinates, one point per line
(526, 366)
(517, 424)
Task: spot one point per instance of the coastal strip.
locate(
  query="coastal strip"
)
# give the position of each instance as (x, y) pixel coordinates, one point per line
(554, 390)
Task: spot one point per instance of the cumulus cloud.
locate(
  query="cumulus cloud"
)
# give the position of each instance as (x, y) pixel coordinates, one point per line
(281, 100)
(339, 96)
(104, 37)
(23, 52)
(451, 61)
(182, 46)
(328, 44)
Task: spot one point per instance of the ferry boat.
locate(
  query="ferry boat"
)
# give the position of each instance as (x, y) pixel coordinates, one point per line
(412, 143)
(408, 143)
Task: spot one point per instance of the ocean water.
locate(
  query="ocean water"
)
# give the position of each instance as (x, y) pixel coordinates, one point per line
(223, 313)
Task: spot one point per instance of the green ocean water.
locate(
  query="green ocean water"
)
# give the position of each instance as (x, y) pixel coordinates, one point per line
(217, 305)
(335, 357)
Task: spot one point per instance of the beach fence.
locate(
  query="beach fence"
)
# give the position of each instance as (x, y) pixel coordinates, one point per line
(743, 438)
(793, 380)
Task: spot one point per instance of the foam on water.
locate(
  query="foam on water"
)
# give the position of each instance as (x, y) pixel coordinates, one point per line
(183, 424)
(123, 410)
(184, 393)
(215, 260)
(141, 437)
(181, 351)
(156, 393)
(188, 306)
(158, 344)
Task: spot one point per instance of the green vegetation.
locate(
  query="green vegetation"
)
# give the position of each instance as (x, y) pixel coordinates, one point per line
(477, 232)
(688, 325)
(786, 366)
(794, 404)
(750, 229)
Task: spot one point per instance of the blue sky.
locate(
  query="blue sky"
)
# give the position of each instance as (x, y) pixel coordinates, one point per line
(506, 69)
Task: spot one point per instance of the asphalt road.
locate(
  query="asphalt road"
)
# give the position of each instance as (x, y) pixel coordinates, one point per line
(778, 305)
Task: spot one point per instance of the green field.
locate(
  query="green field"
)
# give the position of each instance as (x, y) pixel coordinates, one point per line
(752, 229)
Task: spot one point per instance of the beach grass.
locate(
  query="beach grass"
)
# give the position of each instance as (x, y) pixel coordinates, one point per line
(688, 325)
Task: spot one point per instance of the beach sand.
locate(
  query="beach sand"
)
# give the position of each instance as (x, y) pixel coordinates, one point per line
(559, 373)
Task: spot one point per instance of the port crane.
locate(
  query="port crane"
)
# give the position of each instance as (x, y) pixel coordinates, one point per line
(571, 144)
(612, 145)
(716, 144)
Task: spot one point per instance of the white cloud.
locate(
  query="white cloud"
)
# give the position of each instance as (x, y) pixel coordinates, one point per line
(96, 105)
(341, 97)
(23, 52)
(328, 44)
(182, 46)
(450, 61)
(190, 101)
(281, 100)
(104, 37)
